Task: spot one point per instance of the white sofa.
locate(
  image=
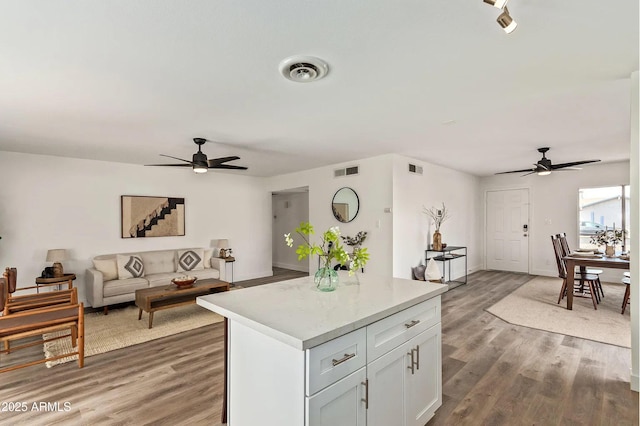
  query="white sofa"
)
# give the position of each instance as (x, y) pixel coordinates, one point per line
(115, 278)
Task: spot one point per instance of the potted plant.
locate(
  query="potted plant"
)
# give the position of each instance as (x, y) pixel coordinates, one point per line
(608, 238)
(438, 216)
(330, 248)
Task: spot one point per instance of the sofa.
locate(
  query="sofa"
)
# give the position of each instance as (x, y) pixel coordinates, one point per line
(115, 278)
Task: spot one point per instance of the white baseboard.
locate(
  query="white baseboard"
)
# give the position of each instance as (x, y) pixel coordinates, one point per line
(635, 382)
(252, 275)
(293, 266)
(544, 272)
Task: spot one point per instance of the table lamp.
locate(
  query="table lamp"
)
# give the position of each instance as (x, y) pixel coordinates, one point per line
(56, 256)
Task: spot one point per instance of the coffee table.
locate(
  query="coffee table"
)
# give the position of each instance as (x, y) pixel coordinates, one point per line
(164, 297)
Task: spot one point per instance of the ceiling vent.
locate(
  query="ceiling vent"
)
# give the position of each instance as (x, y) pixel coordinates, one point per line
(415, 169)
(348, 171)
(303, 69)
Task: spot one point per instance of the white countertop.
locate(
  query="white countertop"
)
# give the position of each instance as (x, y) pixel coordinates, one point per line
(297, 314)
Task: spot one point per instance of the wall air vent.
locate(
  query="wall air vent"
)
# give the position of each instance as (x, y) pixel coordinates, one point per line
(415, 169)
(347, 171)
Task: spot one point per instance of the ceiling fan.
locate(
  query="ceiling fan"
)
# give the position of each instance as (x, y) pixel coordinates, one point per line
(545, 167)
(200, 164)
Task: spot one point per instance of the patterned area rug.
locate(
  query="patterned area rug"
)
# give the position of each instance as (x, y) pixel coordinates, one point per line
(121, 328)
(534, 305)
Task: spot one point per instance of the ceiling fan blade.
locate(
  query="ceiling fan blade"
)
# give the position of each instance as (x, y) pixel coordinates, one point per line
(574, 163)
(180, 159)
(229, 167)
(170, 165)
(216, 161)
(530, 173)
(518, 171)
(564, 169)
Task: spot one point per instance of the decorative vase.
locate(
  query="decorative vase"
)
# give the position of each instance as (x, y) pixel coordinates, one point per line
(326, 279)
(437, 240)
(610, 251)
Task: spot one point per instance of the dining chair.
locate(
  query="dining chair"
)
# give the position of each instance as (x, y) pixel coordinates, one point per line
(592, 271)
(627, 293)
(587, 279)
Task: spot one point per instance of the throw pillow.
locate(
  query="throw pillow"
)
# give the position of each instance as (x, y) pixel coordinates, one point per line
(190, 260)
(129, 266)
(418, 272)
(208, 254)
(108, 267)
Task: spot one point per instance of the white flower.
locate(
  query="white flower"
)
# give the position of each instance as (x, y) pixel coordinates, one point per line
(335, 230)
(288, 239)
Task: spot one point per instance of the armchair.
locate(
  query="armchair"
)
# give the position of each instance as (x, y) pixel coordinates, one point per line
(36, 314)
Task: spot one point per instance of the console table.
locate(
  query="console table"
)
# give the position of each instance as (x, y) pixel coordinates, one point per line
(446, 256)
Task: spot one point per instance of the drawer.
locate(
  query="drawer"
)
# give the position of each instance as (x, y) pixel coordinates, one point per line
(391, 332)
(331, 361)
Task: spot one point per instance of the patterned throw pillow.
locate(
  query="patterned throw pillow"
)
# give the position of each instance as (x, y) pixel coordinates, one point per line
(130, 266)
(190, 260)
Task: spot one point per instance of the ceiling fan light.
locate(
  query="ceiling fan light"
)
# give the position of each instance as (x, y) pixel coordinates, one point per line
(199, 168)
(544, 173)
(500, 4)
(506, 22)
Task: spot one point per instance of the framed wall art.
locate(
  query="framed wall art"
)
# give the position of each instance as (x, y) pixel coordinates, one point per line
(144, 216)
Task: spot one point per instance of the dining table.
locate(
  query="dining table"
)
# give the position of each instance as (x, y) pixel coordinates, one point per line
(584, 261)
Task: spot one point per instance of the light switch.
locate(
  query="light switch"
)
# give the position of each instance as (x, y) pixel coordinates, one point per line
(378, 223)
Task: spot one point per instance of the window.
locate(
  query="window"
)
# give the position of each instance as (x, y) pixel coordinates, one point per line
(603, 208)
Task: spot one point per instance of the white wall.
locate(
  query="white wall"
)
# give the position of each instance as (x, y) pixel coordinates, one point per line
(554, 207)
(288, 211)
(54, 202)
(412, 230)
(374, 188)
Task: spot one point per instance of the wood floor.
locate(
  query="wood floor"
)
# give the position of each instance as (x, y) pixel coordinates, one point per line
(494, 373)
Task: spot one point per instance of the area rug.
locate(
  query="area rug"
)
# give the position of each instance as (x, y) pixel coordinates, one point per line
(534, 305)
(121, 328)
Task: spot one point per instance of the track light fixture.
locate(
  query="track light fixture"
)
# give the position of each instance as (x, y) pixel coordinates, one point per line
(506, 21)
(500, 4)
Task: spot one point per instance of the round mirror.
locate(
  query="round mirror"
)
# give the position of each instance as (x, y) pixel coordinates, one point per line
(345, 205)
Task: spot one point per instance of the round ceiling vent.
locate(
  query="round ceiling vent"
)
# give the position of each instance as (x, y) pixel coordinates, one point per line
(303, 69)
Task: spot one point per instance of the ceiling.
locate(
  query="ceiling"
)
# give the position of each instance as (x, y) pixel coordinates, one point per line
(438, 81)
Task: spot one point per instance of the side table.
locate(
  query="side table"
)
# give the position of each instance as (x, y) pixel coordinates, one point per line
(66, 278)
(230, 260)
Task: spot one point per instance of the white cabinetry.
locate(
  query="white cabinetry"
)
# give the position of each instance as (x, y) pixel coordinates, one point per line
(401, 383)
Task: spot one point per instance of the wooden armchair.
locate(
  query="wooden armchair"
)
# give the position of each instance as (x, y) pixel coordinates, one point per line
(33, 315)
(12, 304)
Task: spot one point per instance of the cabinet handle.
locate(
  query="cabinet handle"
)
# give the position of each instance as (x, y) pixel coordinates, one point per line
(418, 357)
(412, 323)
(366, 394)
(411, 365)
(343, 359)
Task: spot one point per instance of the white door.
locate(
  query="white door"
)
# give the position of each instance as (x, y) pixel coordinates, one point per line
(341, 404)
(507, 237)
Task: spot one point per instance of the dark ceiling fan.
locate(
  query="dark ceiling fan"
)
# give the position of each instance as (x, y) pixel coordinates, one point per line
(544, 166)
(200, 164)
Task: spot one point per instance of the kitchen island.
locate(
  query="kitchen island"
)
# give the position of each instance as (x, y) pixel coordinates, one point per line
(368, 353)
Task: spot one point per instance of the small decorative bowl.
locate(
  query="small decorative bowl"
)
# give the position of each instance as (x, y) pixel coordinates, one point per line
(184, 282)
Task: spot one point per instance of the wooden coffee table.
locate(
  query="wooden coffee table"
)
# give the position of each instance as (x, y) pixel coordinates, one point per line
(165, 297)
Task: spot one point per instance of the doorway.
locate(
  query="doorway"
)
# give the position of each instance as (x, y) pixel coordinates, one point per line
(507, 230)
(289, 208)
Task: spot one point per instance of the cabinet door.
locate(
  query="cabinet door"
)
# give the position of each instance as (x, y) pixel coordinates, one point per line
(424, 384)
(340, 404)
(387, 387)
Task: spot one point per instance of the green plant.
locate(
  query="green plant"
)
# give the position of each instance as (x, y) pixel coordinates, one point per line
(608, 237)
(328, 249)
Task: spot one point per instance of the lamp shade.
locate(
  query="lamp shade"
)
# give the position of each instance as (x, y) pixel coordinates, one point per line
(224, 243)
(57, 255)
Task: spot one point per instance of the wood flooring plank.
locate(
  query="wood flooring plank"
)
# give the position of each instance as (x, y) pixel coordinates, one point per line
(526, 376)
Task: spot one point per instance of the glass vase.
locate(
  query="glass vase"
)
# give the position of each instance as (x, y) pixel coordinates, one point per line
(326, 279)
